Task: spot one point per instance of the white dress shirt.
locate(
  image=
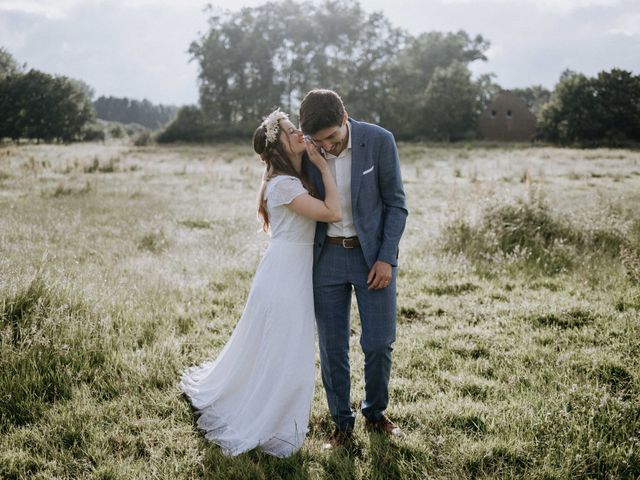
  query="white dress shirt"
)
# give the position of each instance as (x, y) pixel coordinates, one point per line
(341, 169)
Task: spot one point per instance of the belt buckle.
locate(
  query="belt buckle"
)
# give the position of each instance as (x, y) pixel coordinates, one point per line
(344, 243)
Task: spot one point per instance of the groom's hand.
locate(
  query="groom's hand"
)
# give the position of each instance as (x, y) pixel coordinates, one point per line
(379, 276)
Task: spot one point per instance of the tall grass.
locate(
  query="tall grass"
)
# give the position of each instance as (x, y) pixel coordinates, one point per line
(518, 342)
(527, 233)
(51, 343)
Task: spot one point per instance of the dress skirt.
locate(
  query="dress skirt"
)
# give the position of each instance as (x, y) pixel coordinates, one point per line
(257, 393)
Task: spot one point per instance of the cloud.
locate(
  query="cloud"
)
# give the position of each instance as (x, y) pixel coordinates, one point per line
(57, 9)
(138, 52)
(530, 42)
(626, 25)
(552, 7)
(54, 9)
(138, 48)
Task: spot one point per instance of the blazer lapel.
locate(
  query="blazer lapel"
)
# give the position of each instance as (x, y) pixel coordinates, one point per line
(357, 160)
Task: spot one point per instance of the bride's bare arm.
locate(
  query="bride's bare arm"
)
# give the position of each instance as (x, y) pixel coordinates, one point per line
(323, 211)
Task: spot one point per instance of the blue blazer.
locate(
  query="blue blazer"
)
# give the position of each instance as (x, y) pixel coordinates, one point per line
(377, 195)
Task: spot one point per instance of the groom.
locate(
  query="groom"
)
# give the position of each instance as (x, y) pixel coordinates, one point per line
(358, 253)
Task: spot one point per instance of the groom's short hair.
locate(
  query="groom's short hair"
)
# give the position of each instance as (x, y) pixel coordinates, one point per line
(320, 109)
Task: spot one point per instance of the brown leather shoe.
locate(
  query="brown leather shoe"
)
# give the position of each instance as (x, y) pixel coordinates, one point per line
(384, 425)
(338, 438)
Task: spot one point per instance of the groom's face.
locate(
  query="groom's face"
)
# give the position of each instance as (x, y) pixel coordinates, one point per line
(333, 139)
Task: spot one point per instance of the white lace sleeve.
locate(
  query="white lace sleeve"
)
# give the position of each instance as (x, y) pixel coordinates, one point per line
(283, 189)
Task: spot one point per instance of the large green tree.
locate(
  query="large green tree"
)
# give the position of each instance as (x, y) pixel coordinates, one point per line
(618, 112)
(535, 97)
(8, 64)
(40, 106)
(452, 103)
(258, 58)
(412, 70)
(255, 59)
(591, 111)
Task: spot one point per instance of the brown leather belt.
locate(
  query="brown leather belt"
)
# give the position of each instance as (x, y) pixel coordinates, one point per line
(346, 242)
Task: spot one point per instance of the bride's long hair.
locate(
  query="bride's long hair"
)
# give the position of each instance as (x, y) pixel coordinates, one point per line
(275, 157)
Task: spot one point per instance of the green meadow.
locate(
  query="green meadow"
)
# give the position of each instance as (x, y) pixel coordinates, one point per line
(518, 346)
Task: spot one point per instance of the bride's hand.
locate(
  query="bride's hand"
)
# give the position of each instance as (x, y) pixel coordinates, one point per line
(314, 155)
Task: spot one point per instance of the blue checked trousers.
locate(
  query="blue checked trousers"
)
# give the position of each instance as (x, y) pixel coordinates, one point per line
(337, 273)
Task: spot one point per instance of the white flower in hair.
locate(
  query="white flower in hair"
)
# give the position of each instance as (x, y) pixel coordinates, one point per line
(271, 123)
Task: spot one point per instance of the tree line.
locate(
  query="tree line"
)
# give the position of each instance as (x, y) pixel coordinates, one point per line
(126, 110)
(40, 106)
(419, 87)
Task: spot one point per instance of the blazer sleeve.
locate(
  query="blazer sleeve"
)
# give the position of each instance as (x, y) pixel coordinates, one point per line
(393, 198)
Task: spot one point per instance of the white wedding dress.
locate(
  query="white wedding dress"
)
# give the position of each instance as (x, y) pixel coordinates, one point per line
(258, 392)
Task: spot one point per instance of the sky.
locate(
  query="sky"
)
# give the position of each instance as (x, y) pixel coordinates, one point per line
(138, 48)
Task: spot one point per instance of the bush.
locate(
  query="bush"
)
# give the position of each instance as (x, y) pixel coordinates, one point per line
(143, 139)
(93, 134)
(133, 129)
(153, 242)
(527, 232)
(191, 126)
(188, 126)
(524, 231)
(117, 131)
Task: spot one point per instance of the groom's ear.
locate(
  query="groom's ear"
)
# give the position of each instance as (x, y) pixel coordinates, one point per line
(345, 119)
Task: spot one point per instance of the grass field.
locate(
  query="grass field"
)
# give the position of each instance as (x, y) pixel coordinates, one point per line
(518, 351)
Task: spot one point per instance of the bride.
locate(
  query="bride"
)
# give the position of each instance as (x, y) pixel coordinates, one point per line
(257, 393)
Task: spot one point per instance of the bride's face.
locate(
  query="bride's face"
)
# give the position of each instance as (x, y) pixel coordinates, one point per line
(291, 137)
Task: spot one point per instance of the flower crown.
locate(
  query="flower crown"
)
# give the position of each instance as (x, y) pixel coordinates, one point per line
(272, 126)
